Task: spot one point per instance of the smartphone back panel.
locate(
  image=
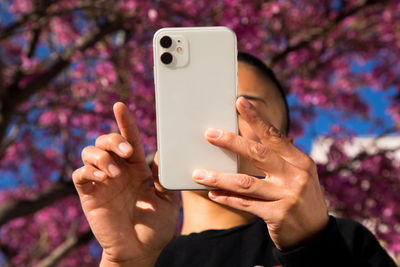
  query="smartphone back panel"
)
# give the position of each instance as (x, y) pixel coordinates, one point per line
(195, 90)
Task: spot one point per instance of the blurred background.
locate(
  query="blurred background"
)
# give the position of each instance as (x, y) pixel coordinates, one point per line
(63, 63)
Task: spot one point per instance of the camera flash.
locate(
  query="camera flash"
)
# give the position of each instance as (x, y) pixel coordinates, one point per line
(179, 49)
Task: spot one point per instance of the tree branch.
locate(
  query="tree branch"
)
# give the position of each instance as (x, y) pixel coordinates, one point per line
(8, 253)
(29, 50)
(9, 140)
(15, 95)
(8, 31)
(61, 251)
(37, 14)
(33, 42)
(359, 157)
(63, 61)
(318, 32)
(18, 208)
(2, 87)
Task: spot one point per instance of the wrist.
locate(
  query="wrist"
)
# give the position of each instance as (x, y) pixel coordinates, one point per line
(106, 261)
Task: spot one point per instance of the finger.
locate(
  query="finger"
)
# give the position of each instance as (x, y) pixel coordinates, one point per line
(154, 170)
(260, 208)
(116, 143)
(240, 184)
(156, 179)
(85, 176)
(258, 154)
(101, 159)
(129, 131)
(271, 136)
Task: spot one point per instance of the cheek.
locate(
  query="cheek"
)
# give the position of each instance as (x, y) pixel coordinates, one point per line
(246, 131)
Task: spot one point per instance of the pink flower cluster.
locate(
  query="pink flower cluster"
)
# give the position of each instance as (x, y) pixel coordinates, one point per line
(365, 189)
(310, 47)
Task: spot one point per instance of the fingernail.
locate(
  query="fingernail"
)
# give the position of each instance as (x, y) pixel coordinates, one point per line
(212, 195)
(213, 133)
(199, 174)
(113, 170)
(124, 147)
(244, 102)
(99, 174)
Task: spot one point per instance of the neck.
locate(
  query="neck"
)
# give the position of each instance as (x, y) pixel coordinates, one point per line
(200, 214)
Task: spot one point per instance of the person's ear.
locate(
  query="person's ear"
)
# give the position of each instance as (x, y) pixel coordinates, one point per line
(291, 140)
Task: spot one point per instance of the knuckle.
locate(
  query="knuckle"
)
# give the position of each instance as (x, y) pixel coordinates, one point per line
(302, 180)
(244, 182)
(273, 134)
(293, 196)
(114, 138)
(100, 157)
(258, 152)
(79, 174)
(85, 152)
(228, 137)
(243, 203)
(110, 138)
(100, 139)
(309, 162)
(75, 175)
(293, 201)
(212, 178)
(264, 126)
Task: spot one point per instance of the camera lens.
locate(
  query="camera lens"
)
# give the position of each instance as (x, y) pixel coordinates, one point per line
(166, 41)
(166, 58)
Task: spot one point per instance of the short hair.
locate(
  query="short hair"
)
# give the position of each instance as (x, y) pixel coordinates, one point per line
(269, 74)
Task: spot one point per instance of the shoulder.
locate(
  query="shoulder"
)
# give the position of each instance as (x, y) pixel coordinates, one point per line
(362, 242)
(345, 242)
(353, 232)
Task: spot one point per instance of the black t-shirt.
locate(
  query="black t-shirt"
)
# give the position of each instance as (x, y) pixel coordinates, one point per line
(343, 243)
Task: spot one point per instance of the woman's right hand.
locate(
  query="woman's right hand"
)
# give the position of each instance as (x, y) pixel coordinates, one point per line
(130, 214)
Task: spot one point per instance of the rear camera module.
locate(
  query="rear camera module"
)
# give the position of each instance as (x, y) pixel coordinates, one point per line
(166, 41)
(166, 58)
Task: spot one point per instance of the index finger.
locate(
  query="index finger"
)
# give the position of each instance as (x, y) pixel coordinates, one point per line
(271, 136)
(129, 131)
(238, 183)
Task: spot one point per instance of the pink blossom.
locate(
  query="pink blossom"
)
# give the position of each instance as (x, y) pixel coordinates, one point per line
(106, 72)
(75, 107)
(153, 14)
(21, 6)
(128, 5)
(29, 63)
(48, 117)
(63, 30)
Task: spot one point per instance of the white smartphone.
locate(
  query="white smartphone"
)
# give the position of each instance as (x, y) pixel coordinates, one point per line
(195, 76)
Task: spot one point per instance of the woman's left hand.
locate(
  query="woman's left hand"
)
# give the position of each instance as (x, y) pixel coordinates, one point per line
(289, 199)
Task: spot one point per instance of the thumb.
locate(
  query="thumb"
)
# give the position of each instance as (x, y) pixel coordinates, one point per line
(129, 131)
(155, 174)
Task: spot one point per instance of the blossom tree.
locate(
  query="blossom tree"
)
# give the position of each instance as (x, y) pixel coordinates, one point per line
(65, 62)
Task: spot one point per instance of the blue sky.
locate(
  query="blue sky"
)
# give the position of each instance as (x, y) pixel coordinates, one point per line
(378, 102)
